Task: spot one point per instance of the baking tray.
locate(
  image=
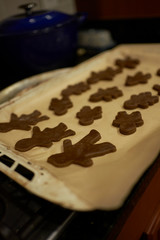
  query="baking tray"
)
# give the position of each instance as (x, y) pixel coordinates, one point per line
(107, 183)
(17, 88)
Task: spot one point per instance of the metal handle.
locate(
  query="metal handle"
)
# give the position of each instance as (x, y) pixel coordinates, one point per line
(28, 8)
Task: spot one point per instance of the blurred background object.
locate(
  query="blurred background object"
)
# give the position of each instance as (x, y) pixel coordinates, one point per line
(99, 39)
(10, 7)
(119, 9)
(129, 21)
(37, 41)
(108, 24)
(67, 6)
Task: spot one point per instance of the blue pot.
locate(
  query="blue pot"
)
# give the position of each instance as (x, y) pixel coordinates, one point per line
(38, 41)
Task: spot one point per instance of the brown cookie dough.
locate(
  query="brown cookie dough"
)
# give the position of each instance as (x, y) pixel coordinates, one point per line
(139, 77)
(106, 94)
(75, 89)
(60, 106)
(44, 138)
(128, 123)
(82, 152)
(105, 75)
(128, 62)
(158, 72)
(142, 100)
(24, 122)
(157, 88)
(87, 115)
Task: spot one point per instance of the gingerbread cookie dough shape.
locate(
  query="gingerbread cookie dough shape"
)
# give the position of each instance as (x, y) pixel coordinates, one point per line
(127, 123)
(106, 94)
(24, 122)
(105, 75)
(82, 152)
(142, 100)
(44, 138)
(60, 106)
(138, 78)
(87, 115)
(128, 62)
(75, 89)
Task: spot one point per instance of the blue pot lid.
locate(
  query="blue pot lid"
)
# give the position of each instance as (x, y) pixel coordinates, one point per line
(32, 21)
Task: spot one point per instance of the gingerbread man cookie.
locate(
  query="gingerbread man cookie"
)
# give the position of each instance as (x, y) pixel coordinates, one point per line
(106, 94)
(105, 75)
(142, 100)
(75, 89)
(60, 106)
(87, 115)
(128, 123)
(128, 62)
(82, 152)
(24, 122)
(44, 138)
(139, 77)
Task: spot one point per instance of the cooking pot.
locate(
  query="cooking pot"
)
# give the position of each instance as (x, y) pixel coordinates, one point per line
(37, 41)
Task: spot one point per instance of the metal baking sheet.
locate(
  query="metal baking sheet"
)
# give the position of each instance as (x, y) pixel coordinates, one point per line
(108, 182)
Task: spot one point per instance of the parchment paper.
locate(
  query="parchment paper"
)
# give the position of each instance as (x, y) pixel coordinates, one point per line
(107, 183)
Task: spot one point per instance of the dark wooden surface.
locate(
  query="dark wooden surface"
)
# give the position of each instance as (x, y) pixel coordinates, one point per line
(119, 9)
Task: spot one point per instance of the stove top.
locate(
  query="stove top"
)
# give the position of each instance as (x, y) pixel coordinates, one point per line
(27, 217)
(24, 216)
